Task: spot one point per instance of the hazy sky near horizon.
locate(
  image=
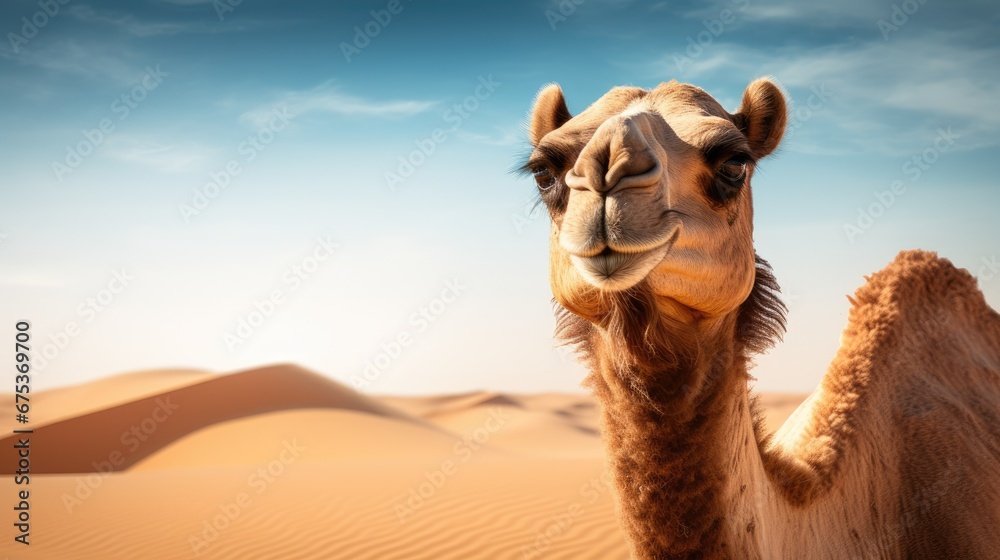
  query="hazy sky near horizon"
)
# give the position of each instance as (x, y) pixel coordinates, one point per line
(175, 170)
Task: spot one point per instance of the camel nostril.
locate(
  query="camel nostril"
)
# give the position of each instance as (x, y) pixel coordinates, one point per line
(579, 179)
(618, 156)
(646, 178)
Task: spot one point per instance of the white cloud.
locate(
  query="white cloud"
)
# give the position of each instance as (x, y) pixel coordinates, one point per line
(853, 16)
(69, 57)
(327, 98)
(886, 97)
(510, 136)
(817, 13)
(133, 26)
(813, 14)
(150, 153)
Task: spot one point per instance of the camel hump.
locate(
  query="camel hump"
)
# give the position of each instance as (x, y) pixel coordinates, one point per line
(918, 279)
(922, 305)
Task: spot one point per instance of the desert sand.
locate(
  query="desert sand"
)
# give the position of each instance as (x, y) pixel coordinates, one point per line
(283, 463)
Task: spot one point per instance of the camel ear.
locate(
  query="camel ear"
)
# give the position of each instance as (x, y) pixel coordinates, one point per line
(762, 116)
(550, 112)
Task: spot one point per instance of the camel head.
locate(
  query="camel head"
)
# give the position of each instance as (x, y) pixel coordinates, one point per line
(650, 190)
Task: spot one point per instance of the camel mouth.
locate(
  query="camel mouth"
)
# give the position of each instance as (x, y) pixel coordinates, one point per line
(615, 271)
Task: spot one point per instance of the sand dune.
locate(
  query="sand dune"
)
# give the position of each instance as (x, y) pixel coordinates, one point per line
(279, 462)
(324, 435)
(68, 402)
(118, 436)
(533, 425)
(779, 406)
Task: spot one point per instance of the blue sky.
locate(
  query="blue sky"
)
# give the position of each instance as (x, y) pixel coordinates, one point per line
(214, 163)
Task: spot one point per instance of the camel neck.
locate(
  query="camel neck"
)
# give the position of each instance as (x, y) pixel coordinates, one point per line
(678, 432)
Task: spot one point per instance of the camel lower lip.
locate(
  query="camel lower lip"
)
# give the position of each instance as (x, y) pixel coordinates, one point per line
(616, 271)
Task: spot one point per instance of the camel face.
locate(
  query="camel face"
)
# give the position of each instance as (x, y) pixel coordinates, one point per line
(651, 190)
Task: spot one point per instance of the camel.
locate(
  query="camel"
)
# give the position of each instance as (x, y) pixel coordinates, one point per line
(658, 286)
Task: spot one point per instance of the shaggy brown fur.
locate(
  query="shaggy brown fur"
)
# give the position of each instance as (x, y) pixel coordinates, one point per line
(666, 391)
(897, 454)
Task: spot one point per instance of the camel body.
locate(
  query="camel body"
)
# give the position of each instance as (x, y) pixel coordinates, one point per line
(656, 281)
(896, 455)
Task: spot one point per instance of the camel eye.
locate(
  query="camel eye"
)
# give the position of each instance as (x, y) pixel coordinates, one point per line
(728, 181)
(733, 171)
(544, 178)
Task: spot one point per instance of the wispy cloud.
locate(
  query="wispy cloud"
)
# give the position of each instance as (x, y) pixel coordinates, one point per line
(133, 26)
(74, 58)
(510, 136)
(816, 13)
(327, 98)
(847, 14)
(887, 97)
(151, 153)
